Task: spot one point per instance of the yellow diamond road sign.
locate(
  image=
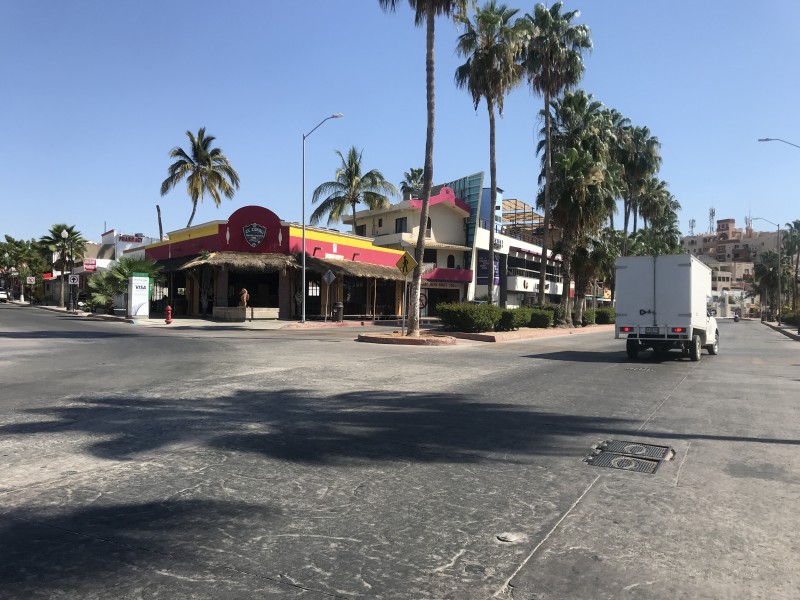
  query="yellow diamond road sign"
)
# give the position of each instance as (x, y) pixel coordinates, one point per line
(406, 264)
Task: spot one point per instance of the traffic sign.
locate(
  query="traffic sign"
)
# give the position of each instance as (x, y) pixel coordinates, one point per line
(406, 264)
(31, 280)
(329, 277)
(73, 280)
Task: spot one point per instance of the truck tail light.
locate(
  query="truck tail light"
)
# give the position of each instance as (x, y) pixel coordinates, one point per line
(626, 329)
(679, 330)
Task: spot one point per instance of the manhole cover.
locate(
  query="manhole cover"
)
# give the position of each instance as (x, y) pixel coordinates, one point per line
(636, 449)
(626, 463)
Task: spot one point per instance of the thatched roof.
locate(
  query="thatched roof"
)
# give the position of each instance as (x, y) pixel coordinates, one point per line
(244, 261)
(350, 267)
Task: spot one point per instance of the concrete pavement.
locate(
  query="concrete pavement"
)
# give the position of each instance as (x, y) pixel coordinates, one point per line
(144, 463)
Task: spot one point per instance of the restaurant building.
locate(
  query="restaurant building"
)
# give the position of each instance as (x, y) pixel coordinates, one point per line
(208, 265)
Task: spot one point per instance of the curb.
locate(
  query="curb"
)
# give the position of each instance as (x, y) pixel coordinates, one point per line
(529, 334)
(425, 340)
(786, 332)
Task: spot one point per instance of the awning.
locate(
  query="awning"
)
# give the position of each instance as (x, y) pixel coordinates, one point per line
(171, 265)
(243, 261)
(343, 266)
(444, 246)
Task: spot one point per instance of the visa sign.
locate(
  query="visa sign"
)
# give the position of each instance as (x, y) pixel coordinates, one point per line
(138, 297)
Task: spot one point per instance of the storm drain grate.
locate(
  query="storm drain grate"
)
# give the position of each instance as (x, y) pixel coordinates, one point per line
(630, 456)
(635, 449)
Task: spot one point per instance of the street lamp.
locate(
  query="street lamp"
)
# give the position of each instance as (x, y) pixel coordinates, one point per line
(777, 140)
(780, 271)
(303, 249)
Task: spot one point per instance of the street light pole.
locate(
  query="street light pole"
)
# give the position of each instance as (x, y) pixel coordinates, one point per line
(777, 140)
(780, 270)
(303, 249)
(64, 236)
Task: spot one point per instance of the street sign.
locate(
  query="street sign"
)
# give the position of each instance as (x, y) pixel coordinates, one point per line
(89, 264)
(31, 280)
(73, 280)
(329, 278)
(406, 264)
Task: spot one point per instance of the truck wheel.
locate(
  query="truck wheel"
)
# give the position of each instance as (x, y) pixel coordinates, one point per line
(632, 348)
(713, 349)
(695, 348)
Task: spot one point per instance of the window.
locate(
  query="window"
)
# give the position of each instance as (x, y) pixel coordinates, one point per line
(361, 230)
(401, 225)
(313, 288)
(380, 222)
(428, 229)
(429, 256)
(451, 261)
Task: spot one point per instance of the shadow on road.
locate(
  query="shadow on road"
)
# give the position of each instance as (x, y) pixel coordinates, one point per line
(122, 545)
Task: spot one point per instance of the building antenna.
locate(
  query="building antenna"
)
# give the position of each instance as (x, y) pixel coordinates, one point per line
(692, 223)
(711, 214)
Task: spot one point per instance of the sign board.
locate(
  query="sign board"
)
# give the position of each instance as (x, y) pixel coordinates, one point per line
(406, 264)
(73, 279)
(31, 280)
(89, 264)
(329, 277)
(139, 295)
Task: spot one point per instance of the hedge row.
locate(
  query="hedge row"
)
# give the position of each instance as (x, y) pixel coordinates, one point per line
(475, 318)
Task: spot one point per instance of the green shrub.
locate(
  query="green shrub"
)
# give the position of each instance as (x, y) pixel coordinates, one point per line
(589, 317)
(790, 318)
(514, 318)
(468, 317)
(554, 309)
(541, 318)
(604, 315)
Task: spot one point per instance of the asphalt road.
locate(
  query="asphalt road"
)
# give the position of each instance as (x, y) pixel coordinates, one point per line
(142, 462)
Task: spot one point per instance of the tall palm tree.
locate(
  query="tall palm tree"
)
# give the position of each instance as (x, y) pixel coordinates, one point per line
(642, 161)
(584, 185)
(491, 45)
(412, 181)
(792, 241)
(206, 169)
(425, 11)
(553, 62)
(351, 187)
(618, 135)
(64, 250)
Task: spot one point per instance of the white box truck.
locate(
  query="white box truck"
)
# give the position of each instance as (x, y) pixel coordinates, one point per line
(661, 303)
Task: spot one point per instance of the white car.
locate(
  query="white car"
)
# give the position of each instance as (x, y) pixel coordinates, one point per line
(3, 296)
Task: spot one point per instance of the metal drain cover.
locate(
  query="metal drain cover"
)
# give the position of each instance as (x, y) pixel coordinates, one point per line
(630, 456)
(636, 449)
(626, 463)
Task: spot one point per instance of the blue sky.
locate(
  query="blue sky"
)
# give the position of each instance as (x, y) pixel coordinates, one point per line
(96, 93)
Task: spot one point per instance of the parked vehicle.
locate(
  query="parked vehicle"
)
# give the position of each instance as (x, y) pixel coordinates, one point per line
(661, 304)
(3, 295)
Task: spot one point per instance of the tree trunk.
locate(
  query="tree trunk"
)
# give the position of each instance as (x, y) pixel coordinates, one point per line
(354, 216)
(579, 302)
(493, 196)
(194, 210)
(160, 227)
(566, 257)
(627, 203)
(548, 173)
(427, 177)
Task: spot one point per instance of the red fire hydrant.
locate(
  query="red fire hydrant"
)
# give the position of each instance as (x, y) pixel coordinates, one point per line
(168, 320)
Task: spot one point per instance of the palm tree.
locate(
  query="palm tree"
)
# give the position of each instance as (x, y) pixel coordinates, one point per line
(641, 162)
(425, 11)
(64, 249)
(351, 187)
(412, 181)
(105, 287)
(583, 187)
(553, 62)
(767, 272)
(491, 45)
(792, 241)
(206, 169)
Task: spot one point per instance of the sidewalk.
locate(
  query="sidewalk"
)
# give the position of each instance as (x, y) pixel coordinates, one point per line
(790, 331)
